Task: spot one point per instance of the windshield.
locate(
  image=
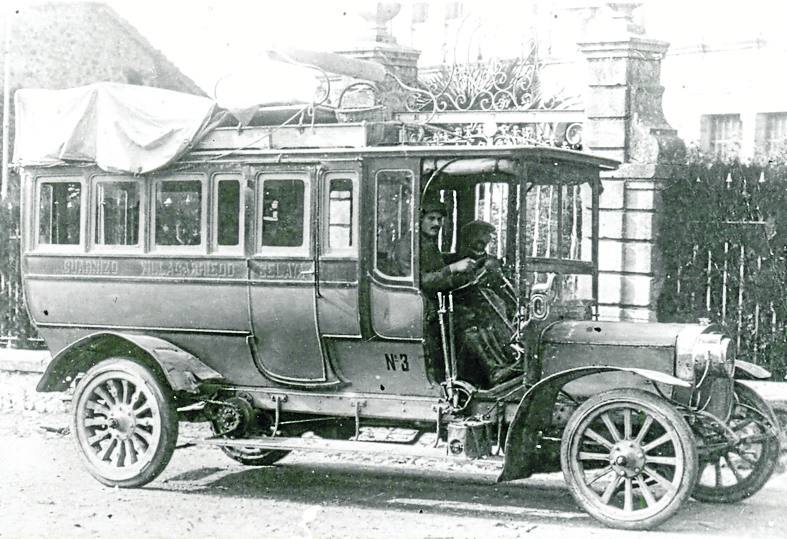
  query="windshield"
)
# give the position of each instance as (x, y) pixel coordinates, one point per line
(557, 239)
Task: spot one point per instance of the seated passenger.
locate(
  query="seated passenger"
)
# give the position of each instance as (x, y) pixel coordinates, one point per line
(434, 276)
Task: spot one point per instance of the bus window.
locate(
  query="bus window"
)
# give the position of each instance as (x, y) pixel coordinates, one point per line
(228, 207)
(283, 213)
(178, 212)
(59, 212)
(394, 220)
(340, 215)
(117, 212)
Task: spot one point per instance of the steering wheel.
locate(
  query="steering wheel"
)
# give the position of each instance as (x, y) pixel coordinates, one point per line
(490, 269)
(474, 281)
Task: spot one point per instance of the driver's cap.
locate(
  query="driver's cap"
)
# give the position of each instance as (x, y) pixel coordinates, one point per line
(475, 229)
(433, 205)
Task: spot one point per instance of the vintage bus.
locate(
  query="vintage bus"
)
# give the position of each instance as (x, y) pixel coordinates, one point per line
(249, 283)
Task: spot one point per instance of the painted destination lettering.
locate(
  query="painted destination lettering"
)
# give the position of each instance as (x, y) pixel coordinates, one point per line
(77, 266)
(185, 268)
(289, 271)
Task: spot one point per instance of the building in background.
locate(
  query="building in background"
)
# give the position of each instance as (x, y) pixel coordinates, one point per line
(62, 45)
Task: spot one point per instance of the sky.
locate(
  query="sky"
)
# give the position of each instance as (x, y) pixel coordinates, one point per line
(223, 41)
(208, 38)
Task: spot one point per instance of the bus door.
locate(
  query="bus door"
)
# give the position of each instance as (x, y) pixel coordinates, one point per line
(337, 227)
(285, 343)
(391, 302)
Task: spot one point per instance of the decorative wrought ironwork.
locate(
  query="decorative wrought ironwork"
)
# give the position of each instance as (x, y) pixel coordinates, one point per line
(495, 85)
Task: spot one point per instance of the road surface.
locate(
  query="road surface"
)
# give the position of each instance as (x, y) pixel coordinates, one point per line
(202, 493)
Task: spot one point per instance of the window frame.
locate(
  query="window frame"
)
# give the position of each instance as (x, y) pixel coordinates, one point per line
(352, 250)
(95, 180)
(296, 251)
(399, 279)
(719, 145)
(59, 247)
(773, 119)
(202, 246)
(216, 179)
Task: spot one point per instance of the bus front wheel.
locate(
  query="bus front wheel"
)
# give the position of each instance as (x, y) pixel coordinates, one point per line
(124, 421)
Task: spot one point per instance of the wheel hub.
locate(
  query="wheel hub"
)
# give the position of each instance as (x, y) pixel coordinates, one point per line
(627, 458)
(122, 422)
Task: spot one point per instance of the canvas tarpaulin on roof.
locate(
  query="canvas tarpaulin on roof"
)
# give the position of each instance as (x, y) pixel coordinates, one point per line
(121, 128)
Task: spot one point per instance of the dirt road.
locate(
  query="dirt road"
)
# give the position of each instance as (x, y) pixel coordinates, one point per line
(202, 493)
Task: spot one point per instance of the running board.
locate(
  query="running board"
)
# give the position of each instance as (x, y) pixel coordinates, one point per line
(332, 446)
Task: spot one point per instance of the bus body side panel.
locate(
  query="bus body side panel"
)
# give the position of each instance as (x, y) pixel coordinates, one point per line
(198, 304)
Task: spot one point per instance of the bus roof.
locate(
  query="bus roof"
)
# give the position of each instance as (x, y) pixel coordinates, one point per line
(133, 129)
(368, 139)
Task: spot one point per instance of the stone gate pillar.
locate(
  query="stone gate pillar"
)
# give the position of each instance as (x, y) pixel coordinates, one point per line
(381, 47)
(625, 122)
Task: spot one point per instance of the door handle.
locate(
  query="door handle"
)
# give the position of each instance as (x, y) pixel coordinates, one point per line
(307, 272)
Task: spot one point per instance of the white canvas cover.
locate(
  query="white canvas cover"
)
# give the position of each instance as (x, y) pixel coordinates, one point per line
(120, 127)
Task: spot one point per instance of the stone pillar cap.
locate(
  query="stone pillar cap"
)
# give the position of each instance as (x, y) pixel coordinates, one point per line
(632, 47)
(378, 46)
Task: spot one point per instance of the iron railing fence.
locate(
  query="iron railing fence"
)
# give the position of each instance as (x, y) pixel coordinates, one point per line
(722, 241)
(15, 326)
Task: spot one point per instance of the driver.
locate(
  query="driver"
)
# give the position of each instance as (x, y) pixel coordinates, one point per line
(486, 359)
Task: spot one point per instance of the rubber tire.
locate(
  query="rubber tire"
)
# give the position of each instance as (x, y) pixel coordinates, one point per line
(255, 456)
(267, 458)
(168, 419)
(668, 414)
(766, 464)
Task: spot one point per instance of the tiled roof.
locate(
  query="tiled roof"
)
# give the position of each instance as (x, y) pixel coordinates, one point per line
(62, 45)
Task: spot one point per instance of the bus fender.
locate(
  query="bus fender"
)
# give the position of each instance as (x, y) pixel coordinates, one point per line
(183, 371)
(534, 414)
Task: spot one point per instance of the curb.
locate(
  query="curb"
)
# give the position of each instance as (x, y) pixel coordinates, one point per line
(27, 361)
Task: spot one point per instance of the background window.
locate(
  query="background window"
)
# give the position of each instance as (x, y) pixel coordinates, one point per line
(179, 212)
(228, 209)
(117, 213)
(340, 214)
(775, 130)
(394, 222)
(282, 213)
(724, 132)
(59, 213)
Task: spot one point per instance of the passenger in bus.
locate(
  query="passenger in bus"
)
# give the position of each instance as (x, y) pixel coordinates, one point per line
(178, 233)
(435, 276)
